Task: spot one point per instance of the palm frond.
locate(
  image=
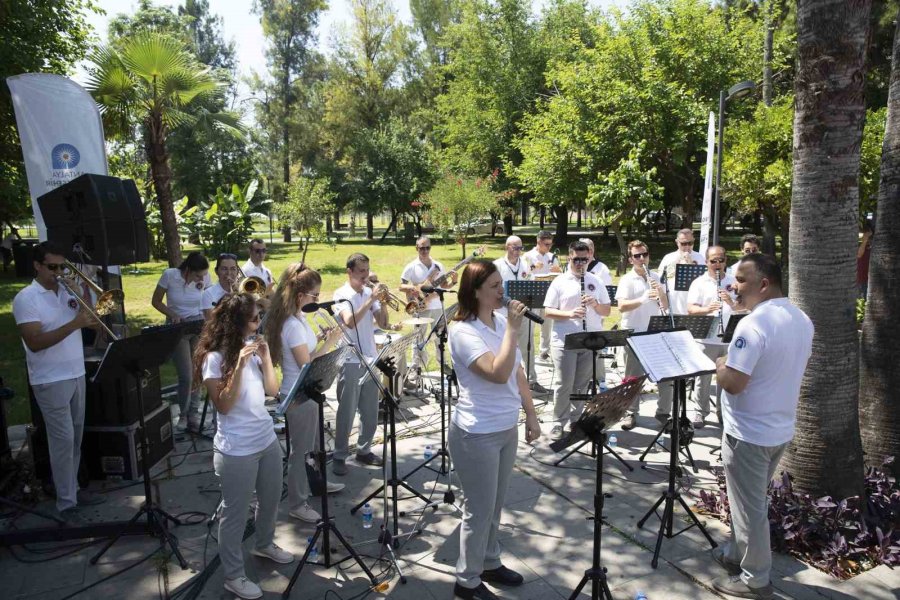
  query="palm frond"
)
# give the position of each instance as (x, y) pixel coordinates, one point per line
(223, 121)
(153, 55)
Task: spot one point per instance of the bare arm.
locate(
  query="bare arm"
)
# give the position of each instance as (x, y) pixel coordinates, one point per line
(158, 304)
(731, 380)
(497, 369)
(38, 340)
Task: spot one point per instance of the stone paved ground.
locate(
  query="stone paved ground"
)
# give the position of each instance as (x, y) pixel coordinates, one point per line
(545, 532)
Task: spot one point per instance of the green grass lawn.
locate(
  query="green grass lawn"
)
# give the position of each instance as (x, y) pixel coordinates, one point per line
(387, 259)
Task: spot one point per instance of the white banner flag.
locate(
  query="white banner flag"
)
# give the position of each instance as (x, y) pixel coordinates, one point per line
(60, 131)
(706, 219)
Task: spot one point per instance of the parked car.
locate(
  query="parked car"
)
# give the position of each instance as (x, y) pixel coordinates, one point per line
(483, 226)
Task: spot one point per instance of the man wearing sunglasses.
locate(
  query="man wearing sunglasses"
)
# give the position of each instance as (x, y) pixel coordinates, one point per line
(50, 321)
(711, 296)
(684, 255)
(574, 305)
(255, 267)
(541, 260)
(749, 245)
(422, 271)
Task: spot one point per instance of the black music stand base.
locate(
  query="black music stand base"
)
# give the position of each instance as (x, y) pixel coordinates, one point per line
(593, 453)
(671, 495)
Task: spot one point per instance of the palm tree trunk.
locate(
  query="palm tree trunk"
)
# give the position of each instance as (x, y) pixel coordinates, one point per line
(879, 390)
(161, 173)
(825, 456)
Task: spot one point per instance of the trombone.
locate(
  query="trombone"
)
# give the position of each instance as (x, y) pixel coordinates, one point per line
(108, 302)
(252, 285)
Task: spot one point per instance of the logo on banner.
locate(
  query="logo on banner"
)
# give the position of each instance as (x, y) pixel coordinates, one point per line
(65, 156)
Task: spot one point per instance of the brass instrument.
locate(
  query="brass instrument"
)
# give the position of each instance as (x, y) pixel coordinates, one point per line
(384, 295)
(252, 285)
(325, 321)
(108, 301)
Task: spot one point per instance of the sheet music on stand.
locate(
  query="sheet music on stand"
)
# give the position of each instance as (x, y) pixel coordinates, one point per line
(668, 355)
(686, 274)
(698, 325)
(733, 320)
(393, 350)
(322, 370)
(528, 291)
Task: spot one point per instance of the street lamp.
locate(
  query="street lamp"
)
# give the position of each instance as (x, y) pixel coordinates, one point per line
(738, 90)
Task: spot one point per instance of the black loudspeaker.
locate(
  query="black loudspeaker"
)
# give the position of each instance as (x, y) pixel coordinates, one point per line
(101, 214)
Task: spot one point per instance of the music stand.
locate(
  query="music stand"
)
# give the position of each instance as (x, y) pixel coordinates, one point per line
(686, 274)
(133, 355)
(531, 293)
(672, 493)
(594, 341)
(733, 320)
(316, 377)
(611, 290)
(600, 413)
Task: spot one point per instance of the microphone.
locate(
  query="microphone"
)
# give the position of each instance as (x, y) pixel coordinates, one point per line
(314, 306)
(430, 289)
(528, 314)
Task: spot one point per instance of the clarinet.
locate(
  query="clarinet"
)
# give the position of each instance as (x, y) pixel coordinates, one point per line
(647, 280)
(584, 316)
(721, 306)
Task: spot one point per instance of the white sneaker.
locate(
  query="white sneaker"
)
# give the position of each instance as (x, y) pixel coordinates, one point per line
(243, 588)
(305, 512)
(182, 423)
(334, 487)
(273, 552)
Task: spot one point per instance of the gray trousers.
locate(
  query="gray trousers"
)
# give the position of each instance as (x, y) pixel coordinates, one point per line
(238, 477)
(546, 331)
(573, 374)
(748, 470)
(62, 406)
(182, 357)
(350, 397)
(633, 368)
(484, 463)
(704, 382)
(304, 428)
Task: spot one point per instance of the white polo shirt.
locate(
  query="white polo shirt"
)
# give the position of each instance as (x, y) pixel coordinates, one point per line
(295, 332)
(263, 272)
(417, 272)
(534, 256)
(772, 345)
(632, 287)
(677, 300)
(602, 273)
(365, 341)
(565, 294)
(704, 291)
(211, 296)
(483, 406)
(511, 272)
(247, 428)
(186, 299)
(65, 359)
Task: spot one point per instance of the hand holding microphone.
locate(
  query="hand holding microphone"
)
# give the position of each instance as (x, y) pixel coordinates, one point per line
(528, 314)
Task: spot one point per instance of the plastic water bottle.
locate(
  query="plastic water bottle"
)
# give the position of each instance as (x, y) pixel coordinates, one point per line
(313, 552)
(367, 516)
(640, 596)
(612, 441)
(602, 387)
(429, 452)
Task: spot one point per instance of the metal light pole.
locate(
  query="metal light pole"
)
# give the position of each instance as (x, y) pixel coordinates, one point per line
(738, 90)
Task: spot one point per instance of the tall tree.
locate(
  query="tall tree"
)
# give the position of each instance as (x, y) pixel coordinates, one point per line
(825, 456)
(879, 400)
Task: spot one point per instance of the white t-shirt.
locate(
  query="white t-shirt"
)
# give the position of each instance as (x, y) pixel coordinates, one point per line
(65, 359)
(602, 273)
(772, 345)
(263, 272)
(365, 341)
(295, 332)
(417, 272)
(247, 428)
(632, 287)
(565, 294)
(534, 256)
(186, 299)
(677, 300)
(211, 296)
(510, 272)
(483, 406)
(704, 291)
(732, 270)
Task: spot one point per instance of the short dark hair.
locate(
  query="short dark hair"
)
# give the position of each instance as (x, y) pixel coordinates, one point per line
(40, 251)
(544, 235)
(194, 263)
(766, 266)
(749, 237)
(356, 258)
(579, 246)
(473, 277)
(256, 241)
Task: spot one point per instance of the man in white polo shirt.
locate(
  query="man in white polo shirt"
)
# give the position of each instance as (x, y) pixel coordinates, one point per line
(50, 321)
(573, 308)
(595, 266)
(749, 245)
(685, 255)
(761, 376)
(541, 261)
(255, 267)
(358, 320)
(421, 271)
(711, 294)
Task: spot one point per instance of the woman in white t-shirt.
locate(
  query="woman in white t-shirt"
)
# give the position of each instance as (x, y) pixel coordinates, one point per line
(182, 290)
(237, 371)
(294, 347)
(484, 431)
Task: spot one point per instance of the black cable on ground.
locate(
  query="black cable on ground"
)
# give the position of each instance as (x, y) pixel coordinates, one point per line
(112, 575)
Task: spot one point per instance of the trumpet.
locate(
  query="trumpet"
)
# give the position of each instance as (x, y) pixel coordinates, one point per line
(108, 301)
(384, 295)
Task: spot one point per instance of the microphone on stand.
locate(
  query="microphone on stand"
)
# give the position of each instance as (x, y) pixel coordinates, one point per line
(430, 289)
(528, 314)
(314, 306)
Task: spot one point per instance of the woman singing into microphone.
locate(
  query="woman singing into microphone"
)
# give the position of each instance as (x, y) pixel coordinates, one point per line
(484, 433)
(238, 373)
(293, 348)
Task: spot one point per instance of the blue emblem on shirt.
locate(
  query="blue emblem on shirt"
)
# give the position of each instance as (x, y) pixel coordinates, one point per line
(740, 342)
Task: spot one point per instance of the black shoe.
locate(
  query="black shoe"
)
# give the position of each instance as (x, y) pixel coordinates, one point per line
(503, 576)
(369, 459)
(479, 593)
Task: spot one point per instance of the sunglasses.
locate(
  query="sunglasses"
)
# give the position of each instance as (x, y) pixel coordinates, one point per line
(716, 261)
(55, 266)
(685, 243)
(579, 260)
(316, 296)
(259, 250)
(517, 248)
(640, 255)
(226, 256)
(423, 248)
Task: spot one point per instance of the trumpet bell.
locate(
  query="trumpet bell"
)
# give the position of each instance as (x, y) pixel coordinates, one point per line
(252, 285)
